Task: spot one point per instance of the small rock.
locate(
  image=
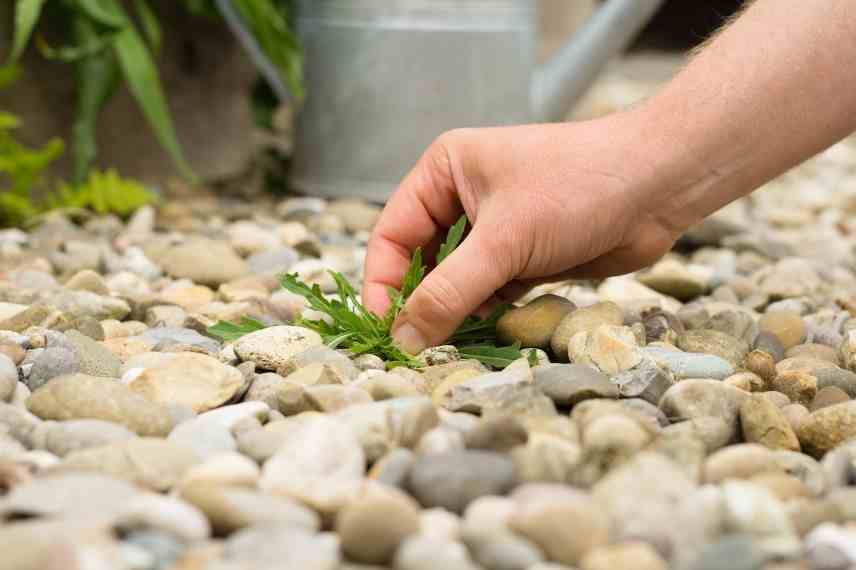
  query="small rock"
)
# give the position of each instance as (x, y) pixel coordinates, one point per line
(762, 422)
(533, 325)
(500, 434)
(490, 390)
(332, 398)
(62, 438)
(795, 414)
(569, 384)
(585, 319)
(418, 553)
(194, 380)
(786, 326)
(761, 364)
(636, 555)
(68, 495)
(646, 381)
(373, 526)
(94, 358)
(205, 437)
(88, 280)
(78, 396)
(690, 365)
(611, 349)
(692, 399)
(205, 262)
(770, 343)
(8, 378)
(828, 396)
(453, 480)
(674, 279)
(281, 547)
(566, 524)
(731, 552)
(230, 509)
(800, 387)
(828, 427)
(753, 510)
(739, 462)
(271, 348)
(52, 363)
(714, 342)
(152, 463)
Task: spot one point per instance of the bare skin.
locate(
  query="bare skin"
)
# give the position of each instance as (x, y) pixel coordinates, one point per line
(609, 196)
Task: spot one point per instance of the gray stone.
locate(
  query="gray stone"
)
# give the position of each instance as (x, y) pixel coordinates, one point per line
(453, 480)
(692, 399)
(167, 336)
(79, 304)
(646, 381)
(95, 359)
(491, 390)
(78, 396)
(730, 552)
(282, 547)
(62, 438)
(690, 365)
(68, 495)
(206, 437)
(51, 363)
(569, 384)
(272, 262)
(205, 262)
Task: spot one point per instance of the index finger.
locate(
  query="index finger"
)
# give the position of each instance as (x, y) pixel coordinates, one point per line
(423, 206)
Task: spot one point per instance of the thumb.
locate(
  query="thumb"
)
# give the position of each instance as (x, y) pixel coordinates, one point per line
(451, 292)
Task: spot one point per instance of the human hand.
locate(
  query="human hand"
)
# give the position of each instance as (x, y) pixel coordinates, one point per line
(546, 203)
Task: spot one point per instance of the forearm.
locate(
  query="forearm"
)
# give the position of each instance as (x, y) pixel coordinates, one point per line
(771, 90)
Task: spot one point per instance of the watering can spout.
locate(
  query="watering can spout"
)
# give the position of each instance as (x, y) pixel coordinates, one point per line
(560, 82)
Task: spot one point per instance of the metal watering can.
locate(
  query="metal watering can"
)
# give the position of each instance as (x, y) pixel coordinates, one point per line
(385, 77)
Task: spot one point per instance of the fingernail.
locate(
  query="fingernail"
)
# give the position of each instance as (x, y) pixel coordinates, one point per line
(410, 339)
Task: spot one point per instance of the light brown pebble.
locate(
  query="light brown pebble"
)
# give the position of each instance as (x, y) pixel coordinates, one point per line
(15, 353)
(813, 350)
(800, 387)
(372, 527)
(788, 327)
(763, 422)
(740, 461)
(806, 514)
(828, 396)
(635, 555)
(795, 414)
(785, 487)
(777, 398)
(739, 381)
(585, 319)
(534, 323)
(761, 364)
(827, 428)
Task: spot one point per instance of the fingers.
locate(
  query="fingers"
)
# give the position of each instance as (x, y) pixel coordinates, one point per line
(422, 208)
(454, 290)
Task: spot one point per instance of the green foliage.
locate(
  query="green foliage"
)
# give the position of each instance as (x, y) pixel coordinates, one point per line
(21, 172)
(103, 193)
(348, 324)
(229, 332)
(268, 22)
(105, 45)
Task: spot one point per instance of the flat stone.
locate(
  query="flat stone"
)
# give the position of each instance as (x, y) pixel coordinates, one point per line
(714, 342)
(205, 437)
(453, 480)
(68, 495)
(690, 399)
(646, 381)
(88, 397)
(271, 348)
(489, 390)
(690, 365)
(739, 462)
(800, 387)
(52, 363)
(195, 380)
(611, 349)
(62, 438)
(230, 509)
(282, 547)
(569, 384)
(94, 358)
(206, 262)
(152, 463)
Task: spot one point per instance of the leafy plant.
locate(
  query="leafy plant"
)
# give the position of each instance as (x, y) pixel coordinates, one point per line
(229, 332)
(21, 172)
(350, 325)
(105, 46)
(102, 192)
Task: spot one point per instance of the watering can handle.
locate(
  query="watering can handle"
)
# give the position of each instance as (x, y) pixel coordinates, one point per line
(560, 82)
(249, 43)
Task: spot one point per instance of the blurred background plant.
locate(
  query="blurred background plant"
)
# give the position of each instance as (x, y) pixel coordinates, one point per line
(109, 42)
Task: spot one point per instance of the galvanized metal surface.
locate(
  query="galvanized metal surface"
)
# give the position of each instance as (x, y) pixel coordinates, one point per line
(385, 77)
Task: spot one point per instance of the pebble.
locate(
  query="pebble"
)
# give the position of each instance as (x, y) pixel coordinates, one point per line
(194, 380)
(271, 348)
(565, 523)
(533, 324)
(611, 349)
(692, 399)
(205, 262)
(283, 547)
(828, 396)
(569, 384)
(453, 480)
(764, 423)
(149, 462)
(232, 508)
(51, 363)
(690, 365)
(636, 555)
(585, 319)
(740, 461)
(493, 389)
(8, 378)
(800, 387)
(93, 358)
(828, 427)
(78, 396)
(372, 527)
(418, 553)
(786, 326)
(62, 438)
(714, 342)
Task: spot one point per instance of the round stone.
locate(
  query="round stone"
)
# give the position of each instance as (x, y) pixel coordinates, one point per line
(764, 423)
(271, 348)
(788, 327)
(533, 324)
(828, 427)
(372, 527)
(585, 319)
(828, 396)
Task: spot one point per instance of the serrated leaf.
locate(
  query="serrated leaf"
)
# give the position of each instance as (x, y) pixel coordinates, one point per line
(453, 239)
(229, 332)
